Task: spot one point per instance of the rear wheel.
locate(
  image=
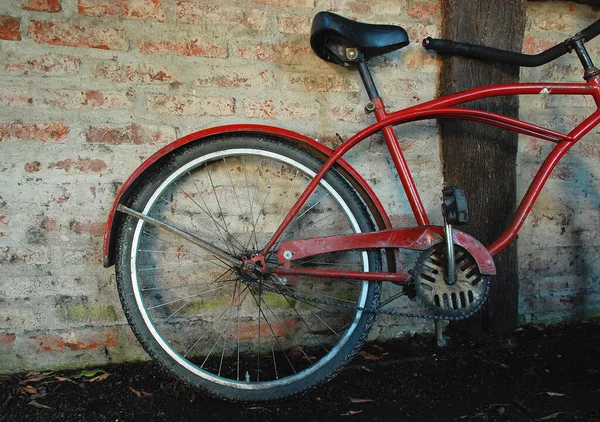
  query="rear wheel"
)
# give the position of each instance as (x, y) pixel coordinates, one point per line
(215, 327)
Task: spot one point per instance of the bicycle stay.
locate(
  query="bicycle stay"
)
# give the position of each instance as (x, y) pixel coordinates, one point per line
(249, 258)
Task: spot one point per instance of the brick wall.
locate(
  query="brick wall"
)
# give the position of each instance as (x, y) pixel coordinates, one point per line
(559, 244)
(90, 88)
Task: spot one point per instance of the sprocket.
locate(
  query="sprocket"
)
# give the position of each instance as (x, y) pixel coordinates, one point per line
(463, 297)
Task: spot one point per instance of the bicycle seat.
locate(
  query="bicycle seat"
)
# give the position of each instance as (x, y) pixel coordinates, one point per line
(346, 42)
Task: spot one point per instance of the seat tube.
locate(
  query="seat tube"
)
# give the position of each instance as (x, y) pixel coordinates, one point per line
(394, 147)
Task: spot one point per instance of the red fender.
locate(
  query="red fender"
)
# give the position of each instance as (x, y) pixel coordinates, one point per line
(364, 190)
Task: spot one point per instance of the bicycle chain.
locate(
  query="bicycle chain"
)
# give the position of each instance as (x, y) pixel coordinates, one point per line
(373, 311)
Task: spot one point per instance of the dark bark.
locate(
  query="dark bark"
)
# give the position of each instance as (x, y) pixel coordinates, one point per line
(480, 158)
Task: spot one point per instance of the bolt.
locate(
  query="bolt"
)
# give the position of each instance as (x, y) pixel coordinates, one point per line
(288, 254)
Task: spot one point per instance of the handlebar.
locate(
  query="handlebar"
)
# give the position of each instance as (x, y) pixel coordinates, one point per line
(495, 54)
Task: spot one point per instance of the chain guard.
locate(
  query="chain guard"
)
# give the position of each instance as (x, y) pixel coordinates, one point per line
(464, 297)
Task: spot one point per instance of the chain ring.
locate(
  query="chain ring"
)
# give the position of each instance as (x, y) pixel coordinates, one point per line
(465, 296)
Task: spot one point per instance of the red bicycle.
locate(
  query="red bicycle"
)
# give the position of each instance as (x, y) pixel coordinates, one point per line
(249, 259)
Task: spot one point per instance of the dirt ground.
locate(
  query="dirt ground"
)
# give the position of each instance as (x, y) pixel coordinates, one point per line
(535, 373)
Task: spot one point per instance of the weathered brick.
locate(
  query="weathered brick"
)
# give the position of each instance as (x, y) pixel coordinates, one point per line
(186, 105)
(134, 133)
(279, 110)
(14, 97)
(211, 14)
(75, 341)
(66, 99)
(285, 53)
(32, 167)
(193, 47)
(94, 228)
(248, 330)
(424, 10)
(51, 6)
(233, 78)
(349, 113)
(535, 45)
(40, 131)
(137, 9)
(10, 28)
(286, 3)
(72, 35)
(81, 165)
(47, 65)
(6, 343)
(294, 24)
(321, 83)
(138, 73)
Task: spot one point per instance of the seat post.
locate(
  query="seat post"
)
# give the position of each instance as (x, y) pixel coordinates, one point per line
(365, 74)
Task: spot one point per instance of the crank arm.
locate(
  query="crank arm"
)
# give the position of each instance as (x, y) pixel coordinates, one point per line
(224, 255)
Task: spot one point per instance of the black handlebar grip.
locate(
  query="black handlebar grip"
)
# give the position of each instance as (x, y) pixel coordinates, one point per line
(591, 31)
(494, 54)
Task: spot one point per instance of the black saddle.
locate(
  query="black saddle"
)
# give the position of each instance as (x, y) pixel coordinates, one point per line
(346, 42)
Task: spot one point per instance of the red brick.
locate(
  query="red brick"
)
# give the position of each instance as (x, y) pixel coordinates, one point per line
(137, 9)
(322, 83)
(10, 28)
(71, 35)
(279, 110)
(424, 10)
(139, 73)
(14, 98)
(294, 24)
(184, 105)
(183, 48)
(285, 53)
(91, 228)
(131, 134)
(234, 78)
(32, 167)
(347, 113)
(51, 6)
(286, 3)
(210, 14)
(534, 45)
(66, 99)
(82, 165)
(75, 341)
(6, 343)
(43, 131)
(47, 65)
(250, 329)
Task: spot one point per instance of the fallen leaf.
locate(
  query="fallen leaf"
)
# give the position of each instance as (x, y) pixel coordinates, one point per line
(551, 394)
(552, 416)
(145, 394)
(100, 377)
(378, 347)
(359, 401)
(29, 389)
(38, 405)
(35, 376)
(136, 392)
(501, 410)
(364, 368)
(7, 401)
(88, 373)
(63, 379)
(351, 412)
(368, 356)
(259, 408)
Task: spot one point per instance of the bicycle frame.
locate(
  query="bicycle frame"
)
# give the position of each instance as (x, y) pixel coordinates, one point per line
(441, 108)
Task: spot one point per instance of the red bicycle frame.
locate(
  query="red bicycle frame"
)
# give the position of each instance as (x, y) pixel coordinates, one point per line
(441, 108)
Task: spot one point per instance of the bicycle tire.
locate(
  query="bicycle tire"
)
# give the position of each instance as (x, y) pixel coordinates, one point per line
(166, 311)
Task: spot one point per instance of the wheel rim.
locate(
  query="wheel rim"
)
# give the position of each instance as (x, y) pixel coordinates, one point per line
(242, 378)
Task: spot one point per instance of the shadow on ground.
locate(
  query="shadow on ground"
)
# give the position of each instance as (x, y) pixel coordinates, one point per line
(536, 373)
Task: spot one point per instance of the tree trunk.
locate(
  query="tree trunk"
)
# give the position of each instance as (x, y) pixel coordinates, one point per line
(481, 158)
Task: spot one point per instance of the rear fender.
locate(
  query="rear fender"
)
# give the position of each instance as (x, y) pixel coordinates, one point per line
(379, 214)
